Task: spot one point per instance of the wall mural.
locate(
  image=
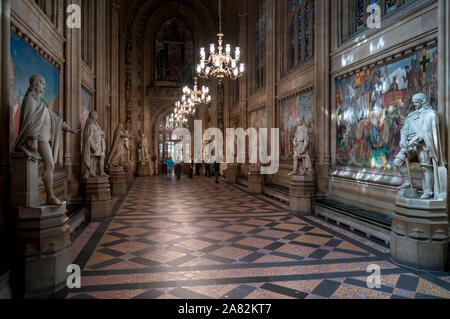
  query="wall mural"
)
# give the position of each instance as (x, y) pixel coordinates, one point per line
(86, 106)
(25, 61)
(291, 111)
(258, 118)
(174, 53)
(373, 104)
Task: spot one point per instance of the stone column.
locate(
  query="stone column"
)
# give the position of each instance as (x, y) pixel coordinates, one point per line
(72, 102)
(322, 96)
(5, 9)
(301, 194)
(115, 69)
(419, 233)
(444, 74)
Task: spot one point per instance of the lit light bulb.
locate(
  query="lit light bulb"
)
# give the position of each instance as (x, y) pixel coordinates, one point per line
(228, 48)
(202, 52)
(238, 52)
(242, 68)
(233, 64)
(198, 69)
(212, 48)
(236, 72)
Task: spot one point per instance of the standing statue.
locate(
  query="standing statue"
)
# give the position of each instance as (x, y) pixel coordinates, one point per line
(142, 149)
(116, 153)
(128, 136)
(420, 140)
(39, 123)
(302, 158)
(93, 148)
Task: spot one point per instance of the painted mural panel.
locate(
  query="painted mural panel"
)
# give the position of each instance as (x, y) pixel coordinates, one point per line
(26, 62)
(258, 118)
(372, 106)
(86, 106)
(174, 53)
(291, 111)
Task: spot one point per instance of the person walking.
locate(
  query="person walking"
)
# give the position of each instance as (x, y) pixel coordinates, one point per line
(198, 166)
(216, 171)
(169, 166)
(178, 171)
(207, 169)
(165, 167)
(191, 169)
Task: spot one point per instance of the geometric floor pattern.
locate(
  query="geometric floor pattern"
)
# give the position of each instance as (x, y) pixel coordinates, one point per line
(195, 239)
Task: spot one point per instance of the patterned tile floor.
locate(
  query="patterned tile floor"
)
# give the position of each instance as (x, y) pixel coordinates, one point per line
(195, 239)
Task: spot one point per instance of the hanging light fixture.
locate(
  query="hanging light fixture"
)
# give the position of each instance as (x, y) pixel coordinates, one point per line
(195, 95)
(185, 108)
(220, 64)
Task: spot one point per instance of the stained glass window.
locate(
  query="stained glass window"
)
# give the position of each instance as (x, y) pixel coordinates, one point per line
(307, 30)
(299, 42)
(301, 32)
(292, 45)
(359, 14)
(260, 58)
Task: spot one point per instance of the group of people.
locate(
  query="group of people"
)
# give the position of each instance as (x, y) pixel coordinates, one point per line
(168, 165)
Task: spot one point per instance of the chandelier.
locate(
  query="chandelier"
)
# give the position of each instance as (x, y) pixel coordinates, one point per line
(184, 108)
(177, 120)
(195, 96)
(220, 64)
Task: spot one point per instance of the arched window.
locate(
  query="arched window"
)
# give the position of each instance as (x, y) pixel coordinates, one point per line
(355, 17)
(174, 53)
(301, 30)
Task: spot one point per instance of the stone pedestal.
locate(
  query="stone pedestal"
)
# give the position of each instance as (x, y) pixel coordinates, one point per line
(419, 233)
(144, 169)
(128, 168)
(255, 182)
(301, 194)
(118, 181)
(98, 197)
(232, 173)
(24, 184)
(44, 249)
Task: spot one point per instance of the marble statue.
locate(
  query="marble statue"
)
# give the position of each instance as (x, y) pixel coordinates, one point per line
(39, 135)
(302, 159)
(93, 148)
(420, 140)
(117, 149)
(142, 149)
(126, 155)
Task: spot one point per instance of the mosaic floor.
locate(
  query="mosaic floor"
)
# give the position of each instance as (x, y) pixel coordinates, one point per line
(195, 239)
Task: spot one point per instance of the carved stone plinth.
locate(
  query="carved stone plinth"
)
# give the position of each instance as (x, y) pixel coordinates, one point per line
(98, 197)
(255, 182)
(25, 183)
(44, 249)
(144, 169)
(118, 181)
(419, 233)
(128, 168)
(301, 194)
(232, 173)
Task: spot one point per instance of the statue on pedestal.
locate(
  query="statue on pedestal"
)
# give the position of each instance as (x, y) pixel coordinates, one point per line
(117, 149)
(93, 149)
(420, 140)
(142, 149)
(39, 135)
(302, 159)
(128, 136)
